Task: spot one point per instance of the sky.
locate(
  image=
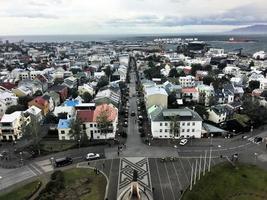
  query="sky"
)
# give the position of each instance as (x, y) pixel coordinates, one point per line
(41, 17)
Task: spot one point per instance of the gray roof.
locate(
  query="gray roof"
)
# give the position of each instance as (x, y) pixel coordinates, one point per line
(184, 114)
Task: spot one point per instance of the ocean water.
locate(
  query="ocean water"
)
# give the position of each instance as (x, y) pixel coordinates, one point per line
(219, 41)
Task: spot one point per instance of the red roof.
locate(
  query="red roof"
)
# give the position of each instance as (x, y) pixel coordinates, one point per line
(85, 115)
(189, 90)
(40, 100)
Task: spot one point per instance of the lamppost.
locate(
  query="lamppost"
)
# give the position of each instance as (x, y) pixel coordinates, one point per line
(256, 156)
(79, 143)
(211, 135)
(21, 159)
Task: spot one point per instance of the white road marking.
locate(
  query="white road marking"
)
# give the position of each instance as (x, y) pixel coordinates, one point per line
(169, 181)
(159, 179)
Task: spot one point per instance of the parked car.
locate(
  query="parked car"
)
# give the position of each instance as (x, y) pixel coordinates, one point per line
(92, 156)
(132, 113)
(258, 140)
(60, 162)
(183, 142)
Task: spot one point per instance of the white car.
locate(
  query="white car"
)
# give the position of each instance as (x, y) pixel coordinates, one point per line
(183, 142)
(92, 156)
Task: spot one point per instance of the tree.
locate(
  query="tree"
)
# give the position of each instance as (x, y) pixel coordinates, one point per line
(172, 100)
(50, 118)
(151, 64)
(207, 80)
(202, 111)
(254, 85)
(24, 101)
(175, 126)
(108, 72)
(33, 131)
(103, 81)
(14, 108)
(195, 68)
(251, 64)
(87, 97)
(38, 93)
(173, 73)
(75, 128)
(103, 122)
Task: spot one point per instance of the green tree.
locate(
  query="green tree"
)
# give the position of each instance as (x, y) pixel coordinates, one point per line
(14, 108)
(254, 85)
(103, 122)
(175, 126)
(195, 68)
(173, 73)
(24, 101)
(108, 72)
(103, 81)
(151, 64)
(202, 111)
(87, 97)
(75, 128)
(207, 80)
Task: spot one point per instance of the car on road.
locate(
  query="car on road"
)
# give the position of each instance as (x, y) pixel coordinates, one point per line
(92, 156)
(183, 142)
(60, 162)
(258, 140)
(132, 113)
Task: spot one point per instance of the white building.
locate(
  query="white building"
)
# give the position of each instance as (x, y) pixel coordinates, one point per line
(187, 81)
(217, 114)
(7, 99)
(175, 123)
(261, 55)
(231, 70)
(86, 88)
(10, 126)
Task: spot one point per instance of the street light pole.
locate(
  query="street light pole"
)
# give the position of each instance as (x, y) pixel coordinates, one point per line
(21, 160)
(210, 151)
(191, 180)
(195, 178)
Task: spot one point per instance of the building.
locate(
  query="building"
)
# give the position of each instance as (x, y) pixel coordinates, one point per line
(217, 114)
(156, 96)
(90, 126)
(40, 103)
(10, 126)
(190, 94)
(175, 123)
(261, 55)
(64, 127)
(187, 81)
(71, 82)
(7, 99)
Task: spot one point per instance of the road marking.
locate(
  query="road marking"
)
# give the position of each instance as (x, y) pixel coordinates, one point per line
(159, 179)
(183, 168)
(31, 171)
(169, 181)
(177, 176)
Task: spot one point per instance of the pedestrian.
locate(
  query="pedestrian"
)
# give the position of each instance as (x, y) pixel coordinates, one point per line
(181, 191)
(125, 146)
(103, 165)
(153, 189)
(144, 189)
(118, 153)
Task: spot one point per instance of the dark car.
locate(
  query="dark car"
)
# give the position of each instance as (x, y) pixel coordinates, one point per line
(258, 140)
(60, 162)
(132, 113)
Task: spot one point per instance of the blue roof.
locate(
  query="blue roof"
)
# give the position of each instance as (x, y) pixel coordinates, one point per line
(64, 123)
(71, 103)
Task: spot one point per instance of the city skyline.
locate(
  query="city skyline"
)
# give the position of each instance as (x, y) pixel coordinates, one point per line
(32, 17)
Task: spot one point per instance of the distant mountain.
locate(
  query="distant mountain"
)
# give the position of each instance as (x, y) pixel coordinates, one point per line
(254, 29)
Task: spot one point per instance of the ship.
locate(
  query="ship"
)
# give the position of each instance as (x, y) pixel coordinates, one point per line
(240, 40)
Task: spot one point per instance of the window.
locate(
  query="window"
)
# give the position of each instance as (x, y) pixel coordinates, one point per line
(95, 125)
(193, 130)
(160, 130)
(166, 130)
(182, 130)
(98, 137)
(92, 132)
(160, 136)
(183, 123)
(188, 123)
(160, 124)
(166, 124)
(188, 130)
(62, 132)
(193, 124)
(63, 137)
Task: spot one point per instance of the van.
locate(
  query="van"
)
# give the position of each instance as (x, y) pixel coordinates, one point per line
(60, 162)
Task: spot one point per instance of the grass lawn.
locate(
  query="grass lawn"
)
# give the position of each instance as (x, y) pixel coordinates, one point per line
(226, 182)
(83, 184)
(56, 146)
(21, 193)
